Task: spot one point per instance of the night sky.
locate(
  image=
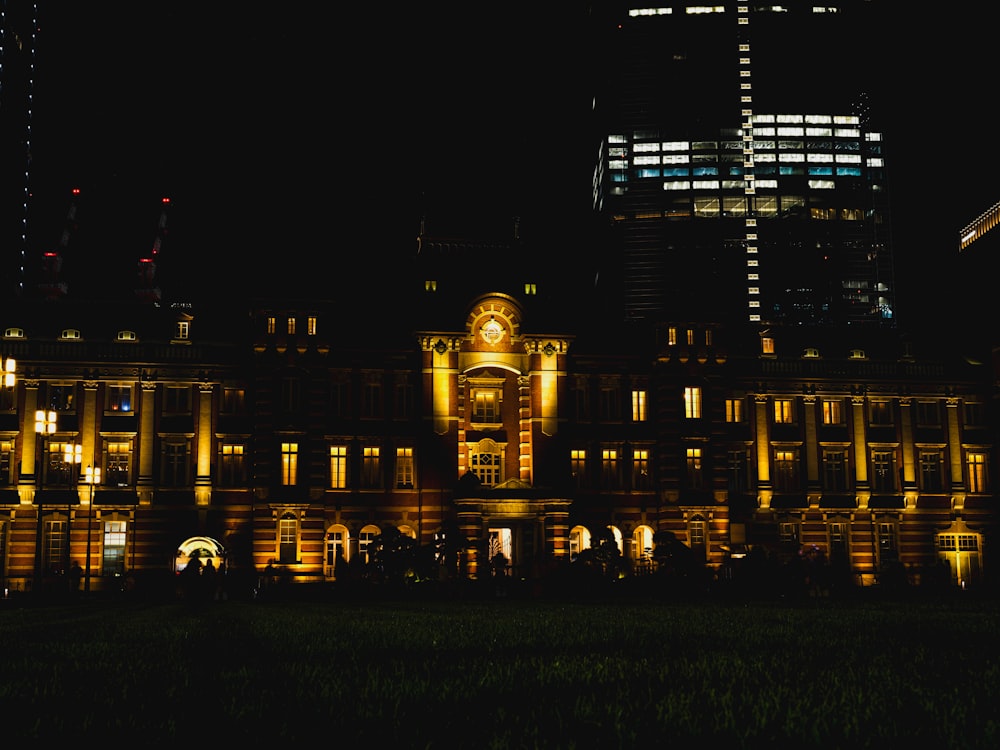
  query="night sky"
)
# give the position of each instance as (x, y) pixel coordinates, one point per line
(309, 134)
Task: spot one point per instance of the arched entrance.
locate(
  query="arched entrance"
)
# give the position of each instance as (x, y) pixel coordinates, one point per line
(203, 549)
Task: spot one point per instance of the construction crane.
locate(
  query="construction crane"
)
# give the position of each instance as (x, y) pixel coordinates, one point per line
(147, 291)
(51, 285)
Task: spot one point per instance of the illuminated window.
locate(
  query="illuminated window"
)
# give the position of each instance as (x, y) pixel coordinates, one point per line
(486, 406)
(291, 326)
(640, 469)
(487, 462)
(708, 337)
(117, 455)
(6, 458)
(336, 550)
(694, 468)
(311, 325)
(672, 336)
(692, 402)
(578, 467)
(609, 469)
(113, 548)
(698, 534)
(976, 463)
(232, 465)
(183, 329)
(371, 470)
(832, 413)
(642, 545)
(579, 540)
(404, 467)
(271, 324)
(338, 467)
(834, 469)
(61, 458)
(767, 345)
(638, 406)
(289, 464)
(784, 411)
(288, 539)
(786, 470)
(734, 410)
(365, 538)
(690, 336)
(530, 289)
(119, 399)
(883, 470)
(930, 470)
(430, 285)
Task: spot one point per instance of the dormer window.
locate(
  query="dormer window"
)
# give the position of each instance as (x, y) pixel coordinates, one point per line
(126, 336)
(857, 354)
(14, 333)
(811, 353)
(70, 334)
(766, 345)
(183, 329)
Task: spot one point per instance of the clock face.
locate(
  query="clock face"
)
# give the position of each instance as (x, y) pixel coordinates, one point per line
(492, 332)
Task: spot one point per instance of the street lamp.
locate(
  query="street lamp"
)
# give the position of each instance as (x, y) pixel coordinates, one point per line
(8, 366)
(8, 379)
(45, 424)
(72, 455)
(92, 477)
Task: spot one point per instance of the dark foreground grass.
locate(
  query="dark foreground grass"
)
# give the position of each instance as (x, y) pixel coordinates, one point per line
(505, 674)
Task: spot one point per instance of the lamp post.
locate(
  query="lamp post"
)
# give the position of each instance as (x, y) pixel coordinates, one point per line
(8, 366)
(45, 424)
(8, 379)
(92, 477)
(72, 454)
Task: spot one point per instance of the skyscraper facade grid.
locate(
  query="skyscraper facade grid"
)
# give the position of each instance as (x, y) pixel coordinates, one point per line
(741, 175)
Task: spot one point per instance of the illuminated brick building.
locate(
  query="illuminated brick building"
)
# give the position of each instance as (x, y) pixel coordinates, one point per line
(293, 432)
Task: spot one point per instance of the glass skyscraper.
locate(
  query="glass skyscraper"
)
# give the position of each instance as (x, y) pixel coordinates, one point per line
(741, 171)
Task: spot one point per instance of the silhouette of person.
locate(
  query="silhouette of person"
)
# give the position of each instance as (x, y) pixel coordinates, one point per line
(73, 576)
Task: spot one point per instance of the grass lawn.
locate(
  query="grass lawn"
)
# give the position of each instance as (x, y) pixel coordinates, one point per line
(506, 673)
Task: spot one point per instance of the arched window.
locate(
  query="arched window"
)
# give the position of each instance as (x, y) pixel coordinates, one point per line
(486, 461)
(579, 540)
(336, 550)
(642, 546)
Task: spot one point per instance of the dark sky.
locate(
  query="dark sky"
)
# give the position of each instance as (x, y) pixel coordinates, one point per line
(307, 133)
